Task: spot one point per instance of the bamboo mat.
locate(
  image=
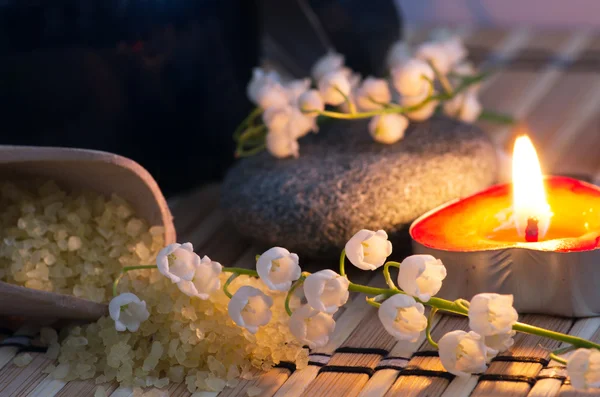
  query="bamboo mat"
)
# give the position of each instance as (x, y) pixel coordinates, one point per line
(550, 81)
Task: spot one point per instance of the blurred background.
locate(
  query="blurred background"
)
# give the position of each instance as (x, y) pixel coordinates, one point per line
(163, 82)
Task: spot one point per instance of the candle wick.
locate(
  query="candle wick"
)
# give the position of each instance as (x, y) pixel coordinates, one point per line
(531, 232)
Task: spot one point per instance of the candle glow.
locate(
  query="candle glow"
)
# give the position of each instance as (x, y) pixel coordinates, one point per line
(529, 194)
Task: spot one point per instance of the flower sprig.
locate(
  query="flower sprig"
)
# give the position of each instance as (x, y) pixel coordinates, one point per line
(401, 307)
(436, 76)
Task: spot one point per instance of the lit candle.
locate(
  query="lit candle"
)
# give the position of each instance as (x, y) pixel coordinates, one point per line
(536, 238)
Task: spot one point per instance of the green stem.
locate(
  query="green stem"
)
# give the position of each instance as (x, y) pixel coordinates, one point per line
(229, 281)
(570, 339)
(429, 325)
(239, 270)
(254, 135)
(558, 359)
(442, 78)
(247, 121)
(343, 263)
(500, 118)
(386, 274)
(125, 270)
(347, 99)
(372, 302)
(296, 284)
(370, 290)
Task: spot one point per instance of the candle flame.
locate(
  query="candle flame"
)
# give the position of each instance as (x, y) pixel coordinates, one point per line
(529, 194)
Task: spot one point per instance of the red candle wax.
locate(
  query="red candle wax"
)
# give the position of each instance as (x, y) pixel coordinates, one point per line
(482, 221)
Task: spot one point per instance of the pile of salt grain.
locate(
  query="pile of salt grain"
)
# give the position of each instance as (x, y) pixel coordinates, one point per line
(70, 243)
(77, 244)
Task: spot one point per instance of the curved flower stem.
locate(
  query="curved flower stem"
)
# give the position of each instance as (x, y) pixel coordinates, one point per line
(429, 325)
(558, 359)
(239, 270)
(229, 281)
(257, 132)
(296, 284)
(463, 303)
(343, 263)
(351, 106)
(372, 301)
(386, 274)
(248, 120)
(570, 339)
(496, 117)
(443, 79)
(125, 270)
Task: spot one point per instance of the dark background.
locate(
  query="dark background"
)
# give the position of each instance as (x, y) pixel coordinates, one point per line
(163, 82)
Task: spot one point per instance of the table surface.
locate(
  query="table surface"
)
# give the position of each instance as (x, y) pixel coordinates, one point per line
(550, 81)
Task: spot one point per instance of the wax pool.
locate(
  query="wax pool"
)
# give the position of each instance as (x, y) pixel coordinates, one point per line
(474, 223)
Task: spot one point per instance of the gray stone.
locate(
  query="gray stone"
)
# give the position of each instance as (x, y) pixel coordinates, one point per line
(343, 181)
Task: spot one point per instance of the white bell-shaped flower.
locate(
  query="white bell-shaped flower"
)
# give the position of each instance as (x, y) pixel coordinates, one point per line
(455, 49)
(388, 128)
(411, 78)
(402, 317)
(281, 144)
(464, 106)
(500, 342)
(260, 78)
(277, 118)
(250, 308)
(464, 353)
(326, 290)
(328, 63)
(311, 327)
(421, 276)
(301, 124)
(368, 250)
(436, 53)
(583, 367)
(178, 262)
(278, 268)
(373, 94)
(128, 312)
(423, 112)
(311, 103)
(206, 280)
(295, 89)
(491, 314)
(272, 95)
(333, 86)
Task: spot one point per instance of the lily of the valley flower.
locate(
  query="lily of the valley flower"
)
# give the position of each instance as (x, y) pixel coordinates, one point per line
(326, 290)
(421, 276)
(423, 112)
(437, 54)
(260, 78)
(464, 106)
(500, 342)
(327, 64)
(278, 268)
(492, 314)
(455, 49)
(463, 354)
(295, 89)
(250, 308)
(272, 95)
(277, 118)
(333, 86)
(402, 317)
(311, 102)
(281, 144)
(388, 128)
(583, 367)
(410, 79)
(368, 250)
(128, 312)
(205, 281)
(311, 326)
(178, 262)
(301, 124)
(373, 94)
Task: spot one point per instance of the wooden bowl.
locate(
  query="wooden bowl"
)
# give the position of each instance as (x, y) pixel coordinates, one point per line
(102, 172)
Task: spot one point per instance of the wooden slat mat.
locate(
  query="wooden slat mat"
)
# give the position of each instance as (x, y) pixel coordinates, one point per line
(550, 80)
